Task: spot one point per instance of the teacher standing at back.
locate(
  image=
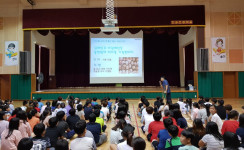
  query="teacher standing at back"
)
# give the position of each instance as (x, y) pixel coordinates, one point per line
(166, 89)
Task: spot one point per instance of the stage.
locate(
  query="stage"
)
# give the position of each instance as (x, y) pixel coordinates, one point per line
(128, 92)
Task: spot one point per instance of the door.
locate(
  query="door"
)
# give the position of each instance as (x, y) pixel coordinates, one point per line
(230, 85)
(189, 64)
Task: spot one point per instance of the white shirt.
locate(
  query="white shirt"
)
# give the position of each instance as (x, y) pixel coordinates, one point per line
(212, 143)
(202, 114)
(148, 119)
(85, 143)
(215, 118)
(182, 106)
(43, 108)
(58, 110)
(124, 146)
(105, 111)
(23, 108)
(162, 108)
(115, 136)
(194, 113)
(143, 114)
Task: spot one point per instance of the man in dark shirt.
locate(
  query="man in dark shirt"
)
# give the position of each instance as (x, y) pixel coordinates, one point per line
(52, 132)
(166, 89)
(87, 110)
(72, 119)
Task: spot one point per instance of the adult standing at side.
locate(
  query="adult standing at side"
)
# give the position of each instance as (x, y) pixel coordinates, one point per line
(166, 89)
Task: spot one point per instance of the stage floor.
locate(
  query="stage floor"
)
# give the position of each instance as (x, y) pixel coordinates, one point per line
(125, 89)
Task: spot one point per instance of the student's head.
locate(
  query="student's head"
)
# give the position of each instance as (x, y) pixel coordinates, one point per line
(6, 108)
(62, 145)
(62, 105)
(60, 115)
(121, 124)
(32, 113)
(186, 137)
(97, 112)
(45, 113)
(166, 113)
(180, 99)
(39, 130)
(105, 104)
(35, 104)
(214, 101)
(39, 99)
(60, 98)
(162, 78)
(13, 125)
(221, 102)
(241, 121)
(231, 140)
(206, 99)
(176, 106)
(228, 108)
(80, 127)
(92, 118)
(94, 99)
(53, 122)
(79, 107)
(167, 122)
(138, 143)
(25, 103)
(149, 110)
(177, 114)
(128, 133)
(157, 116)
(121, 115)
(213, 109)
(2, 115)
(146, 104)
(16, 110)
(197, 124)
(54, 103)
(22, 115)
(212, 128)
(72, 112)
(97, 107)
(233, 115)
(173, 130)
(25, 144)
(48, 104)
(195, 105)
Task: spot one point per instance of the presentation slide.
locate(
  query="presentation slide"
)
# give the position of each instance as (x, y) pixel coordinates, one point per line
(116, 60)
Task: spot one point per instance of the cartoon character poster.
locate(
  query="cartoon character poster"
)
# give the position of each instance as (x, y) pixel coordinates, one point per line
(218, 50)
(11, 53)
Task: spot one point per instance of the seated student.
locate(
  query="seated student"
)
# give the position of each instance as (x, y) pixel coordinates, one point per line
(181, 121)
(163, 135)
(154, 128)
(46, 115)
(215, 117)
(69, 106)
(138, 143)
(24, 107)
(52, 132)
(122, 115)
(40, 104)
(62, 124)
(148, 118)
(186, 138)
(213, 139)
(25, 144)
(163, 107)
(182, 105)
(95, 129)
(10, 137)
(81, 142)
(198, 131)
(72, 119)
(33, 118)
(62, 145)
(201, 100)
(202, 113)
(24, 126)
(157, 104)
(14, 113)
(221, 109)
(3, 123)
(174, 141)
(87, 110)
(115, 133)
(207, 101)
(54, 104)
(127, 133)
(194, 111)
(228, 108)
(36, 106)
(140, 106)
(105, 111)
(169, 114)
(80, 112)
(240, 130)
(11, 106)
(100, 120)
(145, 105)
(232, 124)
(94, 102)
(231, 141)
(48, 105)
(39, 141)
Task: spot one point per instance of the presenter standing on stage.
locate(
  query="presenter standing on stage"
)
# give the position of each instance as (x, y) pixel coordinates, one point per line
(166, 89)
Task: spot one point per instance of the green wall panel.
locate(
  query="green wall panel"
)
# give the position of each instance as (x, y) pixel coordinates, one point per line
(20, 87)
(241, 84)
(210, 84)
(52, 96)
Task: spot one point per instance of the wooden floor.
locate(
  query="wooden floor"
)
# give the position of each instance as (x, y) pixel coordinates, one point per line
(236, 104)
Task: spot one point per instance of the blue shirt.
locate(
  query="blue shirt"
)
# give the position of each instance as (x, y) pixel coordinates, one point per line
(164, 83)
(40, 104)
(87, 111)
(95, 129)
(182, 122)
(110, 104)
(240, 133)
(163, 135)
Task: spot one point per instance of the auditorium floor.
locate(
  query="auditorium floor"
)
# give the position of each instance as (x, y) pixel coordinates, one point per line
(135, 120)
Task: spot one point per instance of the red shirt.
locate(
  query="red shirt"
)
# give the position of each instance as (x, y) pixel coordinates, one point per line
(173, 119)
(11, 117)
(154, 128)
(230, 125)
(37, 109)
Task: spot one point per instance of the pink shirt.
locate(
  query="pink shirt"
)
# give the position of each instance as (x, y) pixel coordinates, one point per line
(3, 126)
(25, 129)
(11, 142)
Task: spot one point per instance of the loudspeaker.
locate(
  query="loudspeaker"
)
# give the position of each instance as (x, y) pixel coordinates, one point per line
(202, 59)
(25, 62)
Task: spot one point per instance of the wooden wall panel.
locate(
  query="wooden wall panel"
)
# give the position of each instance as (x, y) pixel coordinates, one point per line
(5, 86)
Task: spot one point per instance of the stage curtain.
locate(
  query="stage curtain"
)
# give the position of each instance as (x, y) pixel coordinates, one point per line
(217, 84)
(241, 85)
(189, 63)
(161, 57)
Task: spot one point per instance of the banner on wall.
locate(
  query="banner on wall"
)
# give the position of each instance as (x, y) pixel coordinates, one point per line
(218, 49)
(11, 53)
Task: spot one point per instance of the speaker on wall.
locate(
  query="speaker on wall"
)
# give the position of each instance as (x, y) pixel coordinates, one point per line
(25, 62)
(202, 59)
